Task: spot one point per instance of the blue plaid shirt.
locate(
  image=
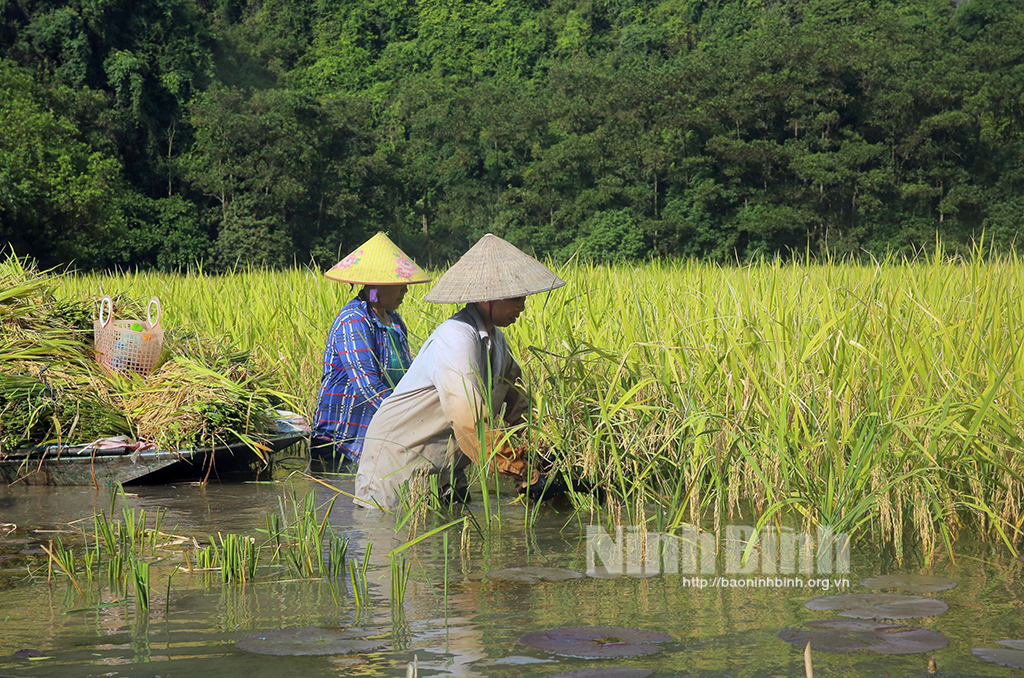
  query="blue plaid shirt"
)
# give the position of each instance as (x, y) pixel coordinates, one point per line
(354, 381)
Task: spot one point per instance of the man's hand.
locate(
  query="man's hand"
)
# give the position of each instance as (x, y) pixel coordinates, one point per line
(511, 461)
(546, 487)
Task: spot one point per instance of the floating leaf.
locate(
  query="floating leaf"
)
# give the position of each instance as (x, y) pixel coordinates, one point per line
(879, 606)
(594, 642)
(841, 635)
(1013, 657)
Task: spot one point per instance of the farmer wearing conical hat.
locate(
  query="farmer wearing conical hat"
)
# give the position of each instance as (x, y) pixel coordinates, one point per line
(367, 350)
(461, 382)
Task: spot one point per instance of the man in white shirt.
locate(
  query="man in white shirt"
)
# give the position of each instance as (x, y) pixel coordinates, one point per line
(442, 414)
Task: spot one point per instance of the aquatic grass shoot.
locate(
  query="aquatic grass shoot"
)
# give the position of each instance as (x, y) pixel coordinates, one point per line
(64, 560)
(357, 576)
(236, 556)
(140, 577)
(399, 581)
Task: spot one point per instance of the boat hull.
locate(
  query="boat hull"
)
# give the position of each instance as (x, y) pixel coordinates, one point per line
(226, 462)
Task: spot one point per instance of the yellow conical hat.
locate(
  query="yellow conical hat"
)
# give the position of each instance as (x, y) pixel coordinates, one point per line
(378, 261)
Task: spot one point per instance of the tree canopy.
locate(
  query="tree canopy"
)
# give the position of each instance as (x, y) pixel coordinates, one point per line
(161, 133)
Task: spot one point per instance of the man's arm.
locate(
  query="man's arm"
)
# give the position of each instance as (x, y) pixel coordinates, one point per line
(516, 403)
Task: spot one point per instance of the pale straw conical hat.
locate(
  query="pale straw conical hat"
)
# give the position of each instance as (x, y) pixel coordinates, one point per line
(378, 261)
(492, 269)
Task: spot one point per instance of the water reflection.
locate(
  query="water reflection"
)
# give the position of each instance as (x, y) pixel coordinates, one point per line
(468, 628)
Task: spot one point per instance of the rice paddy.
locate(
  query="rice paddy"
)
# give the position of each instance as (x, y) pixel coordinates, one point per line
(878, 400)
(883, 399)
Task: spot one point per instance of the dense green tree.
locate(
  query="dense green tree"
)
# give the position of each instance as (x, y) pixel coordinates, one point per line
(59, 199)
(161, 133)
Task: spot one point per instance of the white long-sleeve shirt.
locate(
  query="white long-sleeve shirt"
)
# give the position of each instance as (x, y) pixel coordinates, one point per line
(429, 422)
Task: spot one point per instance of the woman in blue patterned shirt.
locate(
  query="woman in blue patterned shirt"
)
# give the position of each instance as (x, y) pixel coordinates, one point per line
(367, 349)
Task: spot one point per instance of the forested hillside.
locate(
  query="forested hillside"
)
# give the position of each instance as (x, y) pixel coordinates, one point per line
(156, 133)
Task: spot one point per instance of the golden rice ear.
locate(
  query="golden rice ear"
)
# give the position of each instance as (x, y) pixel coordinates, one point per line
(493, 269)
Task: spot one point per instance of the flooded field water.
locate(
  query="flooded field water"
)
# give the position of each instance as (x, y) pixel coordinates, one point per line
(471, 627)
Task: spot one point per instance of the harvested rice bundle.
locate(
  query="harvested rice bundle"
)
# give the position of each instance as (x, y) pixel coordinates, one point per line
(186, 404)
(29, 310)
(51, 391)
(58, 403)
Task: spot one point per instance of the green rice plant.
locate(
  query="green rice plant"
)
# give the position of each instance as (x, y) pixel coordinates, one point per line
(155, 533)
(337, 549)
(167, 597)
(236, 556)
(239, 558)
(275, 532)
(307, 542)
(209, 557)
(357, 578)
(64, 560)
(118, 567)
(399, 581)
(140, 577)
(90, 563)
(106, 533)
(359, 586)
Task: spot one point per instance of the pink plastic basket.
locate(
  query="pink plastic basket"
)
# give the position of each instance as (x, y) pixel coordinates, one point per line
(127, 350)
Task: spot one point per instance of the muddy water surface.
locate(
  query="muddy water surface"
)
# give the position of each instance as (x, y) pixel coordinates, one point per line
(470, 627)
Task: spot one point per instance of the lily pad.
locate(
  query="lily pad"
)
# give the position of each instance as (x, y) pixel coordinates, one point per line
(843, 635)
(879, 606)
(533, 575)
(595, 642)
(310, 640)
(1012, 655)
(914, 583)
(605, 673)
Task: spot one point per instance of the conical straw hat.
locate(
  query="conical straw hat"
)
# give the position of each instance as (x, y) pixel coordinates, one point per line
(492, 269)
(378, 261)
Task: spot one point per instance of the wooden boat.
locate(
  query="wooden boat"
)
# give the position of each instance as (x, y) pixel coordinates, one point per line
(86, 465)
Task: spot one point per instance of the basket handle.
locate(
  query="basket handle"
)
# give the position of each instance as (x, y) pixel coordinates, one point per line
(106, 303)
(149, 312)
